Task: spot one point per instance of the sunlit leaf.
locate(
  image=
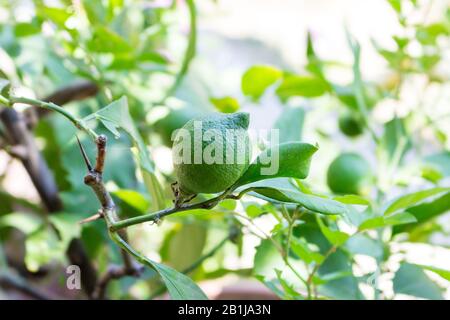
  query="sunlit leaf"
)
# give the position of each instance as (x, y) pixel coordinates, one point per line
(25, 222)
(336, 237)
(133, 198)
(384, 221)
(412, 199)
(257, 79)
(225, 104)
(301, 86)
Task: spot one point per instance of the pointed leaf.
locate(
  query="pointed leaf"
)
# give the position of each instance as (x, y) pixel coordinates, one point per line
(412, 280)
(290, 160)
(301, 86)
(412, 199)
(383, 221)
(337, 238)
(282, 190)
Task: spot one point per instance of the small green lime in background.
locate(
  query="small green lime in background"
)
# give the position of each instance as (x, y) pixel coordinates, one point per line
(350, 125)
(211, 176)
(349, 173)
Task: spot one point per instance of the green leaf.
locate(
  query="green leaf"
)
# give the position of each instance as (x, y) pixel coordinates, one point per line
(154, 57)
(440, 160)
(352, 199)
(362, 244)
(25, 222)
(290, 124)
(428, 35)
(267, 259)
(412, 199)
(25, 29)
(301, 249)
(225, 104)
(426, 211)
(58, 16)
(288, 288)
(441, 272)
(290, 159)
(180, 287)
(315, 65)
(190, 239)
(395, 140)
(116, 115)
(107, 41)
(301, 86)
(282, 190)
(337, 238)
(67, 225)
(273, 285)
(396, 5)
(410, 279)
(133, 198)
(383, 221)
(42, 246)
(257, 79)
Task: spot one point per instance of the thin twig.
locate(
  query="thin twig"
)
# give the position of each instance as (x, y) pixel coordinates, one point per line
(157, 216)
(317, 266)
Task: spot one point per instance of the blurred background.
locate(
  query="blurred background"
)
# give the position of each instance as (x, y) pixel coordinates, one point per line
(53, 49)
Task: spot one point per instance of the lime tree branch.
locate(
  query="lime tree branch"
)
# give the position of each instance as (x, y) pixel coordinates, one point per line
(51, 106)
(157, 216)
(94, 179)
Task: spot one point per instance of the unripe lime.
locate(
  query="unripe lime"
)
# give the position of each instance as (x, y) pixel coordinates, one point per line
(349, 173)
(201, 173)
(350, 125)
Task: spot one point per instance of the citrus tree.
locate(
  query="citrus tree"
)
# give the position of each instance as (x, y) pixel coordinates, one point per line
(109, 81)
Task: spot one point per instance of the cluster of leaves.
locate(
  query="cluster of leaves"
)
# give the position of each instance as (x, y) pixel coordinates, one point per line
(119, 47)
(322, 259)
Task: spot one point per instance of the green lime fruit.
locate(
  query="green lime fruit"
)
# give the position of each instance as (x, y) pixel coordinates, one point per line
(350, 125)
(219, 153)
(349, 173)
